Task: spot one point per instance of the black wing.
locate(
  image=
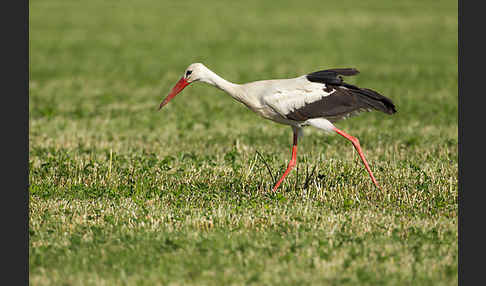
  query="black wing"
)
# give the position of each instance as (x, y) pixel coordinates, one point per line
(346, 100)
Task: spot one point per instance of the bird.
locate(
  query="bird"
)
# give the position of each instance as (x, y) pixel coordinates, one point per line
(317, 99)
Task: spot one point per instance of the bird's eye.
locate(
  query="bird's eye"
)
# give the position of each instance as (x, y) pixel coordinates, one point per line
(188, 73)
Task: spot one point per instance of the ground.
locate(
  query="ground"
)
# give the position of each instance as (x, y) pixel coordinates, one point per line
(123, 194)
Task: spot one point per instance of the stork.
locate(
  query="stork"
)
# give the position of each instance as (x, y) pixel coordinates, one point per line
(317, 99)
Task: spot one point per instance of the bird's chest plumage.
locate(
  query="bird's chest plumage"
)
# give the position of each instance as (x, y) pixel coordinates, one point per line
(264, 110)
(286, 96)
(273, 99)
(269, 113)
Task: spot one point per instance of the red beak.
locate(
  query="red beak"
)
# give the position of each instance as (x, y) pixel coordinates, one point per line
(177, 88)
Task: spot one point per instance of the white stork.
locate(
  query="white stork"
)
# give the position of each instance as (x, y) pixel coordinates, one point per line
(316, 99)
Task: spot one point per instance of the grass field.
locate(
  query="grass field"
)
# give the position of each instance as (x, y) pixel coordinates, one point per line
(121, 194)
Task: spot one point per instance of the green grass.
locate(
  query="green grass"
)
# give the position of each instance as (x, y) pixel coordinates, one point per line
(121, 194)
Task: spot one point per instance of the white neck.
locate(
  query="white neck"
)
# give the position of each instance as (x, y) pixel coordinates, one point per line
(230, 88)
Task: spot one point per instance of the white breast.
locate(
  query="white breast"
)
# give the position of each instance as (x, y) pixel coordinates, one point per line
(293, 94)
(274, 99)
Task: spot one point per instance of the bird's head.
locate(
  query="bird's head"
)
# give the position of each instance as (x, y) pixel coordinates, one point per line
(194, 72)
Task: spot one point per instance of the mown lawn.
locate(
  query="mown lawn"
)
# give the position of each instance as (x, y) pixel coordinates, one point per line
(123, 194)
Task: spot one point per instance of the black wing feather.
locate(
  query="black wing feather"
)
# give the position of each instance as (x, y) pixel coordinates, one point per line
(331, 76)
(347, 99)
(373, 98)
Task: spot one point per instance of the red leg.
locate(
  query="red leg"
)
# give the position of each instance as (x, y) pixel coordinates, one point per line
(292, 162)
(356, 145)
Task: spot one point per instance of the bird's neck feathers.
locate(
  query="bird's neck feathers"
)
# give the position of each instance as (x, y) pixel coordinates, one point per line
(213, 79)
(234, 90)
